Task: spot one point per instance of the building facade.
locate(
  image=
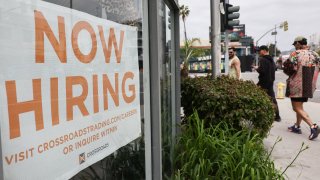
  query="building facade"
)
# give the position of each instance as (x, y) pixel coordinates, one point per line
(90, 89)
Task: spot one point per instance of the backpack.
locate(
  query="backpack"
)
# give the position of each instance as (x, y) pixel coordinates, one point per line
(289, 67)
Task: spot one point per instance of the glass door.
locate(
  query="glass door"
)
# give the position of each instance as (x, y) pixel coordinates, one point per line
(167, 85)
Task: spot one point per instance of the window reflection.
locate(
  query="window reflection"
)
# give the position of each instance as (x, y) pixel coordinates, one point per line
(166, 94)
(127, 162)
(121, 11)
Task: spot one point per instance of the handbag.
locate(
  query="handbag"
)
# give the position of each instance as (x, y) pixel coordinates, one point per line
(288, 88)
(289, 67)
(307, 79)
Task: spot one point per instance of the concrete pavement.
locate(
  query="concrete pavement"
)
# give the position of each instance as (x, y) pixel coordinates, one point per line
(307, 165)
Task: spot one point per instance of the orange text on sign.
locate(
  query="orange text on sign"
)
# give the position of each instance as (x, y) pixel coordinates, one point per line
(117, 86)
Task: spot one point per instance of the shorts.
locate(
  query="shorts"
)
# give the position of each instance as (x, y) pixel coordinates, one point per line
(299, 99)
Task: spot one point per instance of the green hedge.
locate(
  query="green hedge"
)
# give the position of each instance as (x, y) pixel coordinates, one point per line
(218, 153)
(239, 103)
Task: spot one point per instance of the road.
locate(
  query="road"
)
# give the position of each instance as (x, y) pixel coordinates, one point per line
(281, 77)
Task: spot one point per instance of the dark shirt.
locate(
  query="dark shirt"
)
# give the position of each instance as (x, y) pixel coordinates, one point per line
(266, 70)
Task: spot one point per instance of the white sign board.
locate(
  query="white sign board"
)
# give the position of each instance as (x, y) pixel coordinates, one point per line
(69, 87)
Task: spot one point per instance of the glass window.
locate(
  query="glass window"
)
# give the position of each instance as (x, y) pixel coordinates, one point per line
(61, 38)
(127, 162)
(167, 90)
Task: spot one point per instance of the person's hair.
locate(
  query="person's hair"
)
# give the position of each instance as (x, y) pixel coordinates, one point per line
(264, 48)
(233, 49)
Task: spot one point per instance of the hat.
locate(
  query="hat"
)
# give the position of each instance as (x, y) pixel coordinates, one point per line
(299, 39)
(263, 47)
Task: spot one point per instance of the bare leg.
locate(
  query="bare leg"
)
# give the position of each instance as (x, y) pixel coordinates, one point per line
(299, 119)
(301, 114)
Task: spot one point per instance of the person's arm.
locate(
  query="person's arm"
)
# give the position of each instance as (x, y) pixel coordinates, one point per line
(261, 67)
(237, 65)
(316, 58)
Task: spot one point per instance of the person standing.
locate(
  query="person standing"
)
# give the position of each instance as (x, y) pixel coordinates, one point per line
(301, 84)
(266, 70)
(234, 64)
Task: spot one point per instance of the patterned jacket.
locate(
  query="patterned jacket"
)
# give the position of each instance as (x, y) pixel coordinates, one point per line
(303, 82)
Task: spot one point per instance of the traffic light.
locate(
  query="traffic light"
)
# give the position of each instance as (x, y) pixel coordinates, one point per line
(285, 26)
(231, 16)
(222, 15)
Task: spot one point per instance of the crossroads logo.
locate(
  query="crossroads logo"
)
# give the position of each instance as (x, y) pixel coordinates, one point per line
(82, 158)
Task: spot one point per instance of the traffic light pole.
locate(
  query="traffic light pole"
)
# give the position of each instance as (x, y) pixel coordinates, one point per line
(285, 25)
(230, 20)
(226, 54)
(215, 37)
(257, 55)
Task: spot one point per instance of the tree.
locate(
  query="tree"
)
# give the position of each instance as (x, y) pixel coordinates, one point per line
(188, 51)
(184, 13)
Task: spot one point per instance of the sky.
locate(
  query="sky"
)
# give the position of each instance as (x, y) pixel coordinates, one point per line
(303, 17)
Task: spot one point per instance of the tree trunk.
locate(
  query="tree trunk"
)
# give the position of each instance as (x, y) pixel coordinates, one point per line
(185, 31)
(184, 72)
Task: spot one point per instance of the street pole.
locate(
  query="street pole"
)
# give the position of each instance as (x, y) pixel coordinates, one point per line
(226, 54)
(257, 55)
(215, 37)
(275, 43)
(275, 38)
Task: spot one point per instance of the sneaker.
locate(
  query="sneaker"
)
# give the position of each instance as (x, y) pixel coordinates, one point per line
(314, 132)
(295, 129)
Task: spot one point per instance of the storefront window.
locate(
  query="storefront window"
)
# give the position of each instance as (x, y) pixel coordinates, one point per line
(71, 89)
(167, 103)
(127, 162)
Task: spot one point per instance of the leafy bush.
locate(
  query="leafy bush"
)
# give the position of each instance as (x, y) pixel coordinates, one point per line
(239, 103)
(217, 153)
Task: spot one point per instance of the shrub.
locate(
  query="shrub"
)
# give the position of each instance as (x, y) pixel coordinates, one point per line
(217, 153)
(236, 102)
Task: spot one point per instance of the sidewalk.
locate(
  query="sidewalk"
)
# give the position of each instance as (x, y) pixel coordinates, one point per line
(307, 165)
